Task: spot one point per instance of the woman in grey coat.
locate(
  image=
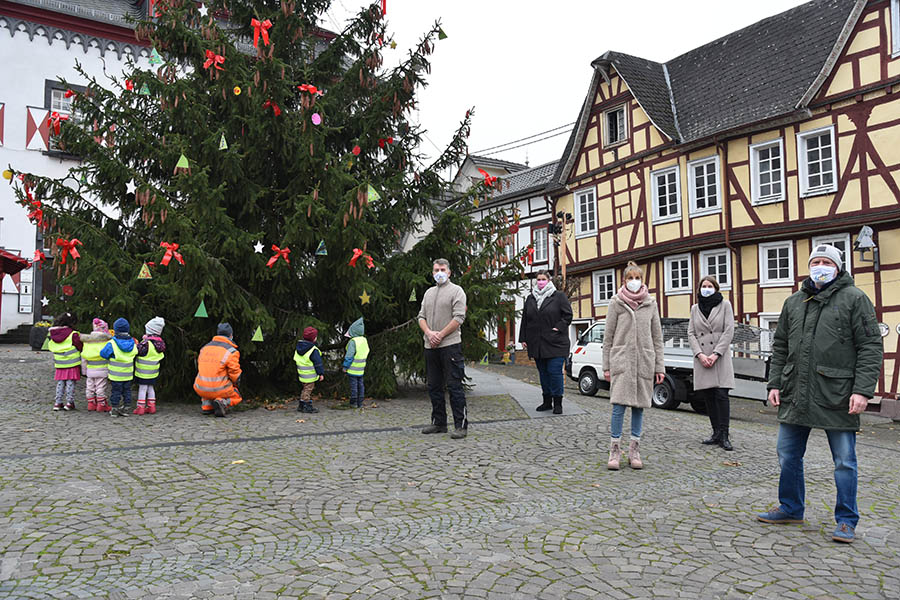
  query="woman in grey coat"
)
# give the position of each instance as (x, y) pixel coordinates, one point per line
(710, 332)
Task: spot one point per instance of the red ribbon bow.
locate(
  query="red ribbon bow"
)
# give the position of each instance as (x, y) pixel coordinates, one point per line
(308, 87)
(530, 255)
(488, 178)
(69, 94)
(357, 253)
(68, 247)
(213, 59)
(37, 215)
(54, 120)
(171, 251)
(275, 109)
(260, 27)
(279, 253)
(381, 141)
(39, 257)
(129, 85)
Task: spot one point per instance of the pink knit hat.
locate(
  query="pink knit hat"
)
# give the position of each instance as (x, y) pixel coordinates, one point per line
(100, 325)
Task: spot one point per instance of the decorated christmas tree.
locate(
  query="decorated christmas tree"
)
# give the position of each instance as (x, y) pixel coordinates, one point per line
(266, 172)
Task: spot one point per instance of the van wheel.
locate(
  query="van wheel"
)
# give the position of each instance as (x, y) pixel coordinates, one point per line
(664, 396)
(587, 382)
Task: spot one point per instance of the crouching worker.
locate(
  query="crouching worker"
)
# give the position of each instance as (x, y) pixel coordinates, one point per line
(218, 371)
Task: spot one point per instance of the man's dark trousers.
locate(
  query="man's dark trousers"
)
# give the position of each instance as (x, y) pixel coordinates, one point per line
(444, 367)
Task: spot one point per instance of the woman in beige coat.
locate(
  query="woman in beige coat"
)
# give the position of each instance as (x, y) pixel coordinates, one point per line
(632, 360)
(710, 332)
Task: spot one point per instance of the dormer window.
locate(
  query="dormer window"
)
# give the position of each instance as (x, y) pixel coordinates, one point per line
(615, 126)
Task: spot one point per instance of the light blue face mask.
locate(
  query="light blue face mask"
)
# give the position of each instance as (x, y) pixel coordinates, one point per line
(441, 278)
(707, 292)
(822, 274)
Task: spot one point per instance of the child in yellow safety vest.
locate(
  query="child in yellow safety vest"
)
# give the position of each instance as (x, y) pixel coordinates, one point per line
(355, 361)
(120, 352)
(65, 344)
(151, 351)
(309, 368)
(95, 367)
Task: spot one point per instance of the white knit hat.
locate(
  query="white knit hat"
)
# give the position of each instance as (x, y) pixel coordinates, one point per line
(155, 326)
(830, 252)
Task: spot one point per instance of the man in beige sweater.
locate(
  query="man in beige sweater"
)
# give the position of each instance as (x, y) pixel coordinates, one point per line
(443, 311)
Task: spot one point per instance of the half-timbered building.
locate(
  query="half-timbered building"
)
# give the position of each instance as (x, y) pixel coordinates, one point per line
(735, 158)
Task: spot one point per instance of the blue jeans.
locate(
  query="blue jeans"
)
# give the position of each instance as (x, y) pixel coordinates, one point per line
(791, 485)
(120, 390)
(357, 389)
(618, 419)
(551, 373)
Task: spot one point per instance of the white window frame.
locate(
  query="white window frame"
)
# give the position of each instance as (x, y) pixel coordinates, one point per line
(704, 267)
(766, 339)
(754, 172)
(895, 28)
(803, 165)
(692, 186)
(657, 219)
(671, 291)
(606, 142)
(579, 233)
(595, 280)
(764, 280)
(831, 239)
(545, 233)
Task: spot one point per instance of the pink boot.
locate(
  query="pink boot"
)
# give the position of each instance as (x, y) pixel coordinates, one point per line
(151, 407)
(102, 405)
(92, 403)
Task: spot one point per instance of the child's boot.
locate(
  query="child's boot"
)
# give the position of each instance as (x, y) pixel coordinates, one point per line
(151, 407)
(307, 407)
(92, 403)
(102, 405)
(141, 407)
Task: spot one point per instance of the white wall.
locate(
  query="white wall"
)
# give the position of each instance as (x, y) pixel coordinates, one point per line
(26, 65)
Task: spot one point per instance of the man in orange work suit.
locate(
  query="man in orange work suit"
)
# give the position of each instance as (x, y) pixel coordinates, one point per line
(218, 371)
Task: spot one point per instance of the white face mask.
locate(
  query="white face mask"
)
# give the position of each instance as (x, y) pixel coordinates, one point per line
(822, 273)
(633, 285)
(707, 292)
(441, 277)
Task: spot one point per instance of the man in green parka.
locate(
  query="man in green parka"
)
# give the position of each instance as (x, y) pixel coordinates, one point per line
(826, 360)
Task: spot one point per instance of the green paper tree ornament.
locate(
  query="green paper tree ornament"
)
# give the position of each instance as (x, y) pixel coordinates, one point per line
(145, 90)
(201, 311)
(223, 145)
(321, 250)
(441, 34)
(145, 272)
(484, 359)
(412, 295)
(257, 335)
(182, 163)
(155, 58)
(373, 195)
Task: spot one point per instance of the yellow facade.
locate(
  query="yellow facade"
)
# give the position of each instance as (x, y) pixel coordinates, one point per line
(766, 241)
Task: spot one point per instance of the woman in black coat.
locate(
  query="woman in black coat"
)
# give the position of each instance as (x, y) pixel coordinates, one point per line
(545, 334)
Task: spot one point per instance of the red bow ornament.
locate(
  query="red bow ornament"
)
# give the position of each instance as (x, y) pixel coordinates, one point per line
(357, 253)
(275, 109)
(308, 87)
(39, 257)
(171, 251)
(260, 28)
(382, 141)
(488, 178)
(54, 121)
(129, 85)
(68, 247)
(213, 59)
(69, 94)
(37, 214)
(530, 255)
(279, 253)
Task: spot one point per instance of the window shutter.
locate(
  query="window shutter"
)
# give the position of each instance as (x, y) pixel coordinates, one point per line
(2, 115)
(37, 130)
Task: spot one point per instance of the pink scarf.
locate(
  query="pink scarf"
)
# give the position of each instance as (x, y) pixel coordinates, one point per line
(633, 299)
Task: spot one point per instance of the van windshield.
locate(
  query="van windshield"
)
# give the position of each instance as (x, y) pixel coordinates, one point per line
(594, 334)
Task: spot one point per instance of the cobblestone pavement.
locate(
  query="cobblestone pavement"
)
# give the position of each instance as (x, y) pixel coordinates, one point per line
(359, 504)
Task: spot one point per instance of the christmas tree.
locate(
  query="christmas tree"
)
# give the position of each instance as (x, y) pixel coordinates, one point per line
(266, 169)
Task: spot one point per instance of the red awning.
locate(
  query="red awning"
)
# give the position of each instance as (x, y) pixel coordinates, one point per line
(12, 264)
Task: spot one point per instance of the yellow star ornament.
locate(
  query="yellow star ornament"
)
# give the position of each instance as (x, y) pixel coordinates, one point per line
(364, 298)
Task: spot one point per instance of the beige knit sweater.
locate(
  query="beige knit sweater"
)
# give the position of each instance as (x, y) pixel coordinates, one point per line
(440, 304)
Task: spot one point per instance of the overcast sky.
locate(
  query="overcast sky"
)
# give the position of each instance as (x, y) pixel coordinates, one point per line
(525, 66)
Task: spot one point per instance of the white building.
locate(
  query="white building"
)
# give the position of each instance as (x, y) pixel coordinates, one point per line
(46, 38)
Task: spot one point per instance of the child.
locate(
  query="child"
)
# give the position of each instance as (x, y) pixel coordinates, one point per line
(309, 368)
(121, 352)
(146, 368)
(95, 366)
(65, 344)
(355, 361)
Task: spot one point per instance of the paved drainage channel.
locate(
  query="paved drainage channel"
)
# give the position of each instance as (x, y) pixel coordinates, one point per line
(264, 438)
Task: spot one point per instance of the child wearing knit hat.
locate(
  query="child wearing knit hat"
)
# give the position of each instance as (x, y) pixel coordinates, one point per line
(95, 367)
(310, 368)
(151, 351)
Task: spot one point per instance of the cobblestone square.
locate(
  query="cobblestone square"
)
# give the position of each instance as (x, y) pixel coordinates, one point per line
(358, 504)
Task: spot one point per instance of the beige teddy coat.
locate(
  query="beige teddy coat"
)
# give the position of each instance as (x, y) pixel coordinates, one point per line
(632, 351)
(712, 335)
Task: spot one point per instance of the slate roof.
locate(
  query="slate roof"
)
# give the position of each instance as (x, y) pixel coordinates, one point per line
(520, 183)
(105, 11)
(763, 71)
(486, 161)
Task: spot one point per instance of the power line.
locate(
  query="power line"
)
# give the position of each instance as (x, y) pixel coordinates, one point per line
(482, 153)
(525, 138)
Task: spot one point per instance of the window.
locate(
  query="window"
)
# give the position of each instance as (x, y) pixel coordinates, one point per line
(539, 240)
(776, 264)
(895, 28)
(718, 264)
(666, 195)
(586, 207)
(767, 172)
(592, 335)
(614, 127)
(55, 101)
(678, 274)
(839, 241)
(703, 185)
(768, 322)
(816, 158)
(604, 286)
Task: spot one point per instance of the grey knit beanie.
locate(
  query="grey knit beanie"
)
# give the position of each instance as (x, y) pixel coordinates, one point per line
(830, 252)
(155, 326)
